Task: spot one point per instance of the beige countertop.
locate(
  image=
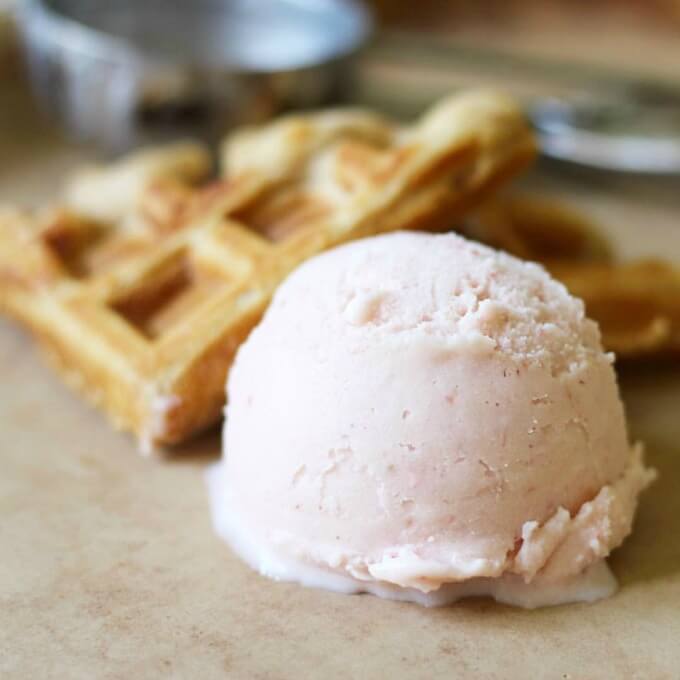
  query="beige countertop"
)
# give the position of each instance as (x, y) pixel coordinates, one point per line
(109, 567)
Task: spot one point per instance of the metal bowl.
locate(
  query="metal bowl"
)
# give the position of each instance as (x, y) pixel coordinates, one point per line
(633, 129)
(127, 72)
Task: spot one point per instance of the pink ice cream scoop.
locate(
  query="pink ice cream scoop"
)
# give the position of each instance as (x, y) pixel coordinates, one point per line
(425, 418)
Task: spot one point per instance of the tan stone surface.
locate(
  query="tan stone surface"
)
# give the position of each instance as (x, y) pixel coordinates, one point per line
(109, 568)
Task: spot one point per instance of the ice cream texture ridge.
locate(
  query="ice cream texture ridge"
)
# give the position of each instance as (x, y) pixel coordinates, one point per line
(426, 418)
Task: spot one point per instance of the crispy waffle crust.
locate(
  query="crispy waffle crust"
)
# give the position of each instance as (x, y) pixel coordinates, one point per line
(142, 285)
(636, 304)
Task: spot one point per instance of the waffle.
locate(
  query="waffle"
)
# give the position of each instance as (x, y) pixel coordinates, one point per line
(637, 304)
(537, 228)
(143, 283)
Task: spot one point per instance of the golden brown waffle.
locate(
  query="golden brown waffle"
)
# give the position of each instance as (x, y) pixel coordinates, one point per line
(637, 304)
(537, 228)
(142, 286)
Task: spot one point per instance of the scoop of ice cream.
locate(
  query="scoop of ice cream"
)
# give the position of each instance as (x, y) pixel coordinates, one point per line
(418, 411)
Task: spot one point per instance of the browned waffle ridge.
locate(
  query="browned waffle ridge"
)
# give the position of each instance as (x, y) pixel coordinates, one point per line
(142, 285)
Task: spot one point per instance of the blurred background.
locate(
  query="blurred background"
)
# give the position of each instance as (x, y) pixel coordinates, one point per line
(638, 35)
(600, 80)
(120, 73)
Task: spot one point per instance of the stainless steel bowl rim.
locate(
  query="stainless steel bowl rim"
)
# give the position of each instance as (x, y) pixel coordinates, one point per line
(565, 136)
(98, 45)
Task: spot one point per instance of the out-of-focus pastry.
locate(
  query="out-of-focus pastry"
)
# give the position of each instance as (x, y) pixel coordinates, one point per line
(536, 228)
(141, 286)
(637, 304)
